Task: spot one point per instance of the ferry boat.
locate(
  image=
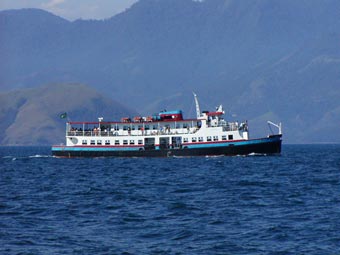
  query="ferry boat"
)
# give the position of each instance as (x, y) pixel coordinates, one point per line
(166, 134)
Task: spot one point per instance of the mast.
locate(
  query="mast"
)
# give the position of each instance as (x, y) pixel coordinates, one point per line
(198, 111)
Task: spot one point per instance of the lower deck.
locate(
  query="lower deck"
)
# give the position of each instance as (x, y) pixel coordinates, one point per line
(166, 141)
(268, 145)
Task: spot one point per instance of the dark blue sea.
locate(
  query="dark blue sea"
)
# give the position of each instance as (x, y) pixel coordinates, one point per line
(288, 204)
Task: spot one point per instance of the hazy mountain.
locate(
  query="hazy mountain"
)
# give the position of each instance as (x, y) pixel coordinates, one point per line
(263, 59)
(32, 116)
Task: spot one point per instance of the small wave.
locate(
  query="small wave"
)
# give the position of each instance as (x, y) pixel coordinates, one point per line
(184, 234)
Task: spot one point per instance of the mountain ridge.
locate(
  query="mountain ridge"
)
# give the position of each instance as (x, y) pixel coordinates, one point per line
(259, 58)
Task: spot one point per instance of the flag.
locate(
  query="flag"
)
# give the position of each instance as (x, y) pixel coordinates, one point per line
(63, 115)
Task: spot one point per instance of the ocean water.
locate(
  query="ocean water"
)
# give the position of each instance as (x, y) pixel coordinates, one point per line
(288, 204)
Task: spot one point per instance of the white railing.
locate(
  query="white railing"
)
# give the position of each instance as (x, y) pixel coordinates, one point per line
(233, 126)
(226, 126)
(132, 132)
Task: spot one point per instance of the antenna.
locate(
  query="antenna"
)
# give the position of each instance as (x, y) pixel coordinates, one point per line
(198, 111)
(279, 126)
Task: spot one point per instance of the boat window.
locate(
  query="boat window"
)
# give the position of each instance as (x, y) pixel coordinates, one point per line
(133, 127)
(215, 138)
(224, 137)
(140, 141)
(185, 125)
(178, 125)
(125, 142)
(116, 142)
(107, 142)
(125, 127)
(140, 127)
(132, 141)
(200, 139)
(209, 138)
(99, 142)
(84, 142)
(93, 142)
(194, 139)
(147, 127)
(154, 127)
(230, 137)
(185, 139)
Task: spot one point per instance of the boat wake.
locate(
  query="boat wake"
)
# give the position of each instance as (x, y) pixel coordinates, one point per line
(215, 156)
(253, 154)
(41, 156)
(7, 157)
(26, 157)
(174, 156)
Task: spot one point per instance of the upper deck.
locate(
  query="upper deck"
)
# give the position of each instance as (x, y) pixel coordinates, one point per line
(162, 123)
(154, 128)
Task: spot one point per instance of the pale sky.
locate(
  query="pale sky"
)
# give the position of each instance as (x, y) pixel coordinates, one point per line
(72, 9)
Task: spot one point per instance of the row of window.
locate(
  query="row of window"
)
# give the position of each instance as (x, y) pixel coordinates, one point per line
(115, 142)
(140, 142)
(209, 139)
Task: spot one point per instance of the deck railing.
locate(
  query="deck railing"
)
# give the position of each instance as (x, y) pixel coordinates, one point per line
(231, 126)
(130, 133)
(226, 126)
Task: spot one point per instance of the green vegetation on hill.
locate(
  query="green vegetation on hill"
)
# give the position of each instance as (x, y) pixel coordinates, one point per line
(32, 116)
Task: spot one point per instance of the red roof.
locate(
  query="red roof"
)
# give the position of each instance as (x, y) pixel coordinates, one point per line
(214, 113)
